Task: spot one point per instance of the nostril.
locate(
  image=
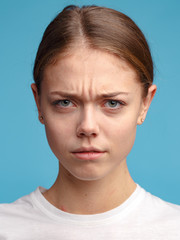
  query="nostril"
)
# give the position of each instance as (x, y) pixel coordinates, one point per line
(87, 129)
(86, 134)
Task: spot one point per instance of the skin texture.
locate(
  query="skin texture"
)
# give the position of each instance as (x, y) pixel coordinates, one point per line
(89, 119)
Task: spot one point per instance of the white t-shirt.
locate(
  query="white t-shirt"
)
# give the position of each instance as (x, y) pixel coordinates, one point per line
(142, 216)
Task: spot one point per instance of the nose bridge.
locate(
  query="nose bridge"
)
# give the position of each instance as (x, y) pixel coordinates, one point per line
(88, 124)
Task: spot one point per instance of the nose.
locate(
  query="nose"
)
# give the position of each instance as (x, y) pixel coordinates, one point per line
(88, 126)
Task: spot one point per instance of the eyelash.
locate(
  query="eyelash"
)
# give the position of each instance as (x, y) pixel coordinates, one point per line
(121, 103)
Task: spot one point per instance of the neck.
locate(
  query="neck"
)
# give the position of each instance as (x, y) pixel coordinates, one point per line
(91, 197)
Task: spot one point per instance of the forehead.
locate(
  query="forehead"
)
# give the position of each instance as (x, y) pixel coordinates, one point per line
(90, 70)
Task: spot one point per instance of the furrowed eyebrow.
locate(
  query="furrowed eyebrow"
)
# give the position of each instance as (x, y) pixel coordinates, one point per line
(104, 95)
(114, 94)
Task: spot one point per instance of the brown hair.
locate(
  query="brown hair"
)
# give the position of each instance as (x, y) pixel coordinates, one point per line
(100, 28)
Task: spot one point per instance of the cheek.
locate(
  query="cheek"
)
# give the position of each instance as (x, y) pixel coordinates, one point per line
(58, 133)
(122, 136)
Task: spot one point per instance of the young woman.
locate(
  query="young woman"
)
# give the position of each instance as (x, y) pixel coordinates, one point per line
(93, 85)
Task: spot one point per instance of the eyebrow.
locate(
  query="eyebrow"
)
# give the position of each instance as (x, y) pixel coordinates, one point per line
(71, 95)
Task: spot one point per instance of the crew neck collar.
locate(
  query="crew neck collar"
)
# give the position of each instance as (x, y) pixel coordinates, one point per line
(58, 215)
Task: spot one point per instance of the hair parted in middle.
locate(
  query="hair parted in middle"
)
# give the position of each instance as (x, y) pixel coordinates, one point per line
(97, 28)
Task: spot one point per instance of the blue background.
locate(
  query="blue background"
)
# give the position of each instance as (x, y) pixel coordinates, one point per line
(26, 161)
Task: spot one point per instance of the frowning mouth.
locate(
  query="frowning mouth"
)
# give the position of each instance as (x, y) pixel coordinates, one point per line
(88, 153)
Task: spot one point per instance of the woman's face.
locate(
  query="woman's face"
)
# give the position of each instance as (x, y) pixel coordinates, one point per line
(91, 103)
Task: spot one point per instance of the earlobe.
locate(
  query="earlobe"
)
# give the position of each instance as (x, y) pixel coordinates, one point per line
(37, 100)
(146, 104)
(140, 120)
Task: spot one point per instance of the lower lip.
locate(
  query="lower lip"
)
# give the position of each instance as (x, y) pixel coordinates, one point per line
(88, 155)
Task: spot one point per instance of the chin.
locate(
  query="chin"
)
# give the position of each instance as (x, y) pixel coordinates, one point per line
(84, 174)
(88, 178)
(84, 171)
(90, 175)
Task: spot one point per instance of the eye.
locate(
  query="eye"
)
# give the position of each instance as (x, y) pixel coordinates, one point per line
(113, 104)
(63, 103)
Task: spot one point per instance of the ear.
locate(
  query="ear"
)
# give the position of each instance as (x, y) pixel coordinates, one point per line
(146, 103)
(37, 100)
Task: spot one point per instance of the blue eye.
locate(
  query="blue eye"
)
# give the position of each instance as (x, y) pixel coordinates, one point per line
(63, 103)
(113, 104)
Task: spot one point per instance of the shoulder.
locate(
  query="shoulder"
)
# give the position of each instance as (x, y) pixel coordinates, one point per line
(155, 217)
(158, 209)
(17, 207)
(19, 218)
(14, 215)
